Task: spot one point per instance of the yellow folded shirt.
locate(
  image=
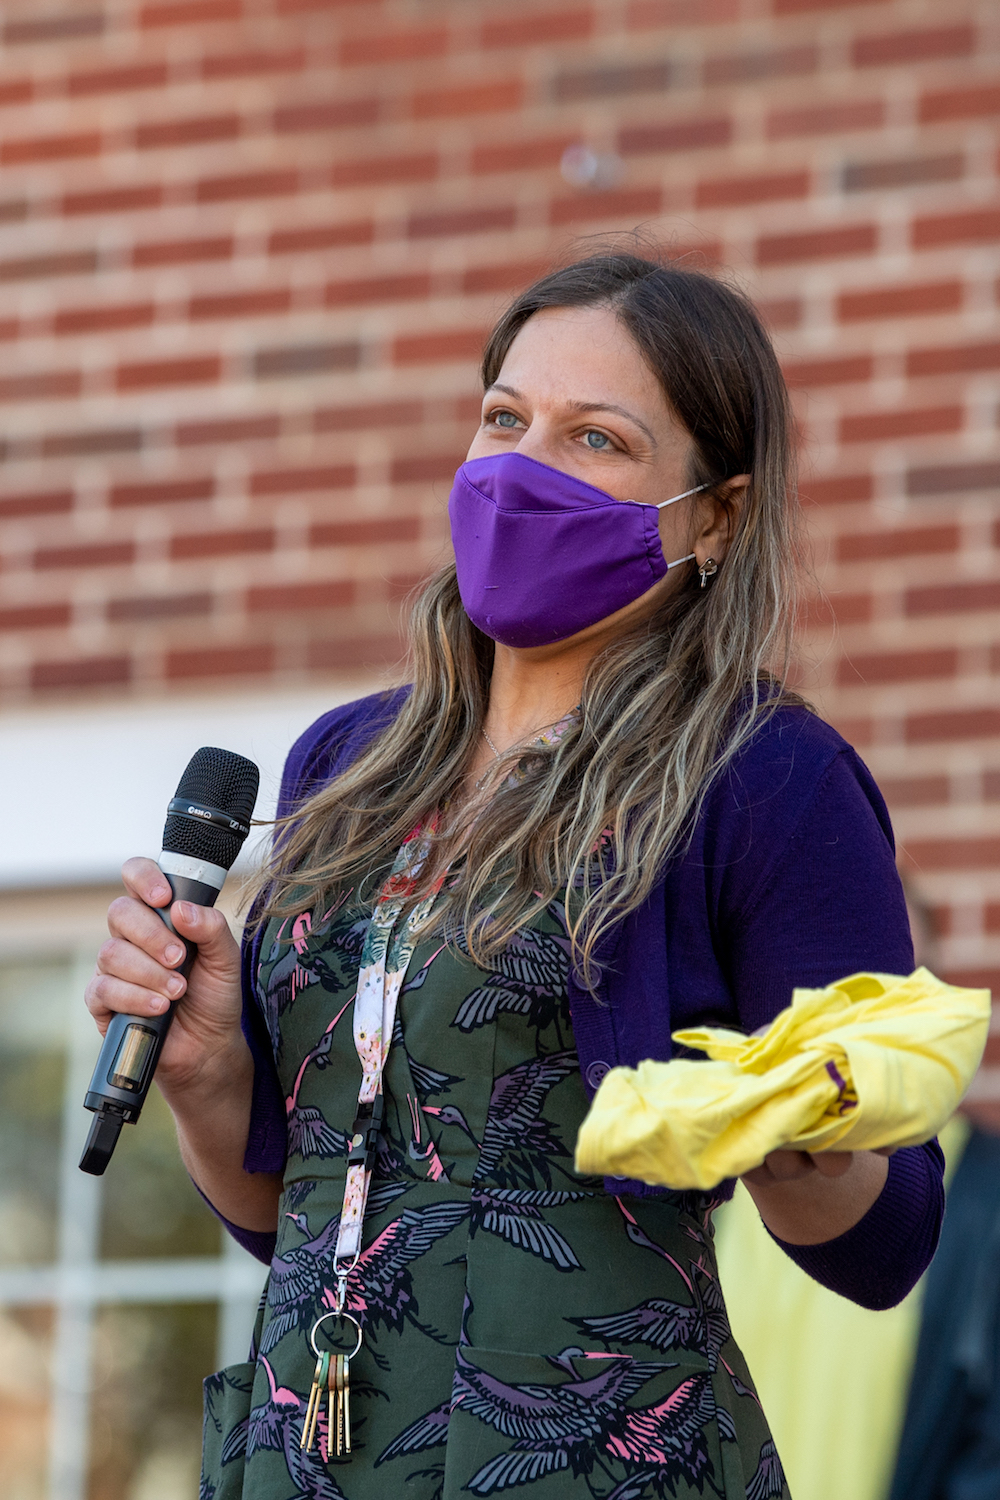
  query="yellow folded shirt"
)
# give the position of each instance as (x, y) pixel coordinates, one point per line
(873, 1060)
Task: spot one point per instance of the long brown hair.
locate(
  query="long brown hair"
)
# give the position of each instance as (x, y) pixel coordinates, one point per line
(663, 708)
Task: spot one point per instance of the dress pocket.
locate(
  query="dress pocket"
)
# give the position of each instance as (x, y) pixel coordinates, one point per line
(224, 1435)
(650, 1427)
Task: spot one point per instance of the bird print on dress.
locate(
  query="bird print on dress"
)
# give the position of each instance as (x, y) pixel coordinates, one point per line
(518, 1142)
(528, 979)
(278, 1425)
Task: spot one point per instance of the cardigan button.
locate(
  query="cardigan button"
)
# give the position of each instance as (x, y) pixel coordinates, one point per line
(596, 1073)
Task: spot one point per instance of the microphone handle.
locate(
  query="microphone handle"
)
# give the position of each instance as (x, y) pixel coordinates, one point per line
(132, 1046)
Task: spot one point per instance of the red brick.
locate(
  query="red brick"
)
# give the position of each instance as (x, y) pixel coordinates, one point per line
(364, 533)
(825, 119)
(461, 221)
(376, 289)
(292, 598)
(968, 853)
(487, 97)
(914, 791)
(233, 430)
(116, 80)
(52, 385)
(52, 28)
(847, 489)
(220, 661)
(816, 244)
(510, 276)
(647, 15)
(952, 599)
(432, 348)
(191, 132)
(909, 543)
(81, 672)
(17, 91)
(423, 167)
(625, 203)
(305, 359)
(874, 427)
(32, 267)
(190, 12)
(900, 301)
(803, 7)
(727, 192)
(163, 492)
(953, 359)
(845, 609)
(35, 617)
(112, 200)
(912, 46)
(44, 503)
(91, 441)
(150, 374)
(611, 81)
(150, 607)
(525, 28)
(897, 666)
(51, 148)
(10, 329)
(320, 237)
(952, 724)
(364, 418)
(331, 114)
(948, 479)
(247, 185)
(344, 652)
(906, 171)
(816, 372)
(781, 312)
(425, 468)
(772, 62)
(72, 320)
(966, 103)
(520, 156)
(240, 305)
(374, 46)
(176, 252)
(288, 481)
(222, 543)
(677, 135)
(95, 555)
(246, 64)
(953, 229)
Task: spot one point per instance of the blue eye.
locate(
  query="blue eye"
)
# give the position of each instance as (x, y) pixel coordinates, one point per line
(598, 441)
(505, 419)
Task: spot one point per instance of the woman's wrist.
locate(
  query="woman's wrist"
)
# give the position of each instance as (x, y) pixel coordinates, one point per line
(805, 1205)
(222, 1078)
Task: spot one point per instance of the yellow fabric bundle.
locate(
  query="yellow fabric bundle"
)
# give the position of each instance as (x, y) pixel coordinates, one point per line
(874, 1060)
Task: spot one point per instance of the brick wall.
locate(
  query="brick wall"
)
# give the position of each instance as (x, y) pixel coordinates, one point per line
(249, 249)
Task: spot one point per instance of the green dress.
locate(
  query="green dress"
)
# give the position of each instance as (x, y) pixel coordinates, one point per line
(525, 1330)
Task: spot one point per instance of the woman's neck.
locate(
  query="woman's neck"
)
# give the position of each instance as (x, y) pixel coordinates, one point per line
(529, 691)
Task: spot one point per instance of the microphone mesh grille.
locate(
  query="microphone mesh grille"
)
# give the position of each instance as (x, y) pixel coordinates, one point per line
(221, 779)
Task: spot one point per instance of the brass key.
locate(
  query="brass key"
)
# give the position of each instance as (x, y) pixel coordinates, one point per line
(320, 1380)
(346, 1399)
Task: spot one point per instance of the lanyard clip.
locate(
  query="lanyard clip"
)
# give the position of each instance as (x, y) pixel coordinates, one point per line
(365, 1133)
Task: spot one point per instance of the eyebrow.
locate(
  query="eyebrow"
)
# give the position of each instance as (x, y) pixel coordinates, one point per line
(585, 406)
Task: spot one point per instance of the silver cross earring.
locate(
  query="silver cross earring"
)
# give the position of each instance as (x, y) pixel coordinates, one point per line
(708, 570)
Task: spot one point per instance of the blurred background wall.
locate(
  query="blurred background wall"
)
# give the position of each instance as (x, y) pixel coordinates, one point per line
(248, 253)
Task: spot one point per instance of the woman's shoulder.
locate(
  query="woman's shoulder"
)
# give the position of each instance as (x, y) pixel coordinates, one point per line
(333, 740)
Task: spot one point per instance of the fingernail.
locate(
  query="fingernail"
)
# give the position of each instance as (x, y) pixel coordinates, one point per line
(175, 985)
(161, 893)
(187, 911)
(158, 1005)
(174, 953)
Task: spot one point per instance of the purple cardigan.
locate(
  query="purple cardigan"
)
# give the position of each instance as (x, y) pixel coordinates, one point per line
(789, 879)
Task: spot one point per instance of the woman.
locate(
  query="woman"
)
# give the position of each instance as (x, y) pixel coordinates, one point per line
(604, 819)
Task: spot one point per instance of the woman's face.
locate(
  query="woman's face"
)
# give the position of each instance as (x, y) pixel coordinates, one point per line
(575, 393)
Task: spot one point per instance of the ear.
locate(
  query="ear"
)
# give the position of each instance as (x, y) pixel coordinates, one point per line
(719, 515)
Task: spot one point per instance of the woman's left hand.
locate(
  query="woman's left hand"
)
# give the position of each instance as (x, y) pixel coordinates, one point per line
(805, 1198)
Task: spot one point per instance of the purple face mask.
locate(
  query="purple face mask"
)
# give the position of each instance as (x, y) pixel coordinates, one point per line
(541, 555)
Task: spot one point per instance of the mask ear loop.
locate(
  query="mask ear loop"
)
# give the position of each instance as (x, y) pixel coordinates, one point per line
(673, 501)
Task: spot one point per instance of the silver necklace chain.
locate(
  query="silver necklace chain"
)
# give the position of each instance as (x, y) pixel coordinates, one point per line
(493, 747)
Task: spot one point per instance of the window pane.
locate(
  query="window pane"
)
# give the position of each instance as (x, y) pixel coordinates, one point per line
(25, 1347)
(148, 1205)
(149, 1362)
(34, 1003)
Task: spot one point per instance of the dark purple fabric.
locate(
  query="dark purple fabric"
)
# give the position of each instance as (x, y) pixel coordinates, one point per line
(789, 879)
(541, 555)
(259, 1243)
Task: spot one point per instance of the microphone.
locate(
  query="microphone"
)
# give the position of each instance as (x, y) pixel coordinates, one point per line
(207, 821)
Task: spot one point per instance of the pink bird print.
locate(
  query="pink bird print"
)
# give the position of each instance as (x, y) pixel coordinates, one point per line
(277, 1425)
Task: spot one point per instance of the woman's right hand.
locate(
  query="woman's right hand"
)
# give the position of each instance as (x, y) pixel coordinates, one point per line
(136, 973)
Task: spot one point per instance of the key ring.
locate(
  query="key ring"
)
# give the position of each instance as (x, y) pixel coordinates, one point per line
(344, 1316)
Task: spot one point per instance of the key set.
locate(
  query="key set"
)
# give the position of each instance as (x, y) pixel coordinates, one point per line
(332, 1377)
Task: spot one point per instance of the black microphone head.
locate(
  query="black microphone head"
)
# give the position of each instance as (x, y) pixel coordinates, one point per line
(210, 814)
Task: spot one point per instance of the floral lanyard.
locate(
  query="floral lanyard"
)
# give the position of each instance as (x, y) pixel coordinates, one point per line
(385, 956)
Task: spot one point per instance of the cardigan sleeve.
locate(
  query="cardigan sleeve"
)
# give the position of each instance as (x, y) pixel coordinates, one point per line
(831, 904)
